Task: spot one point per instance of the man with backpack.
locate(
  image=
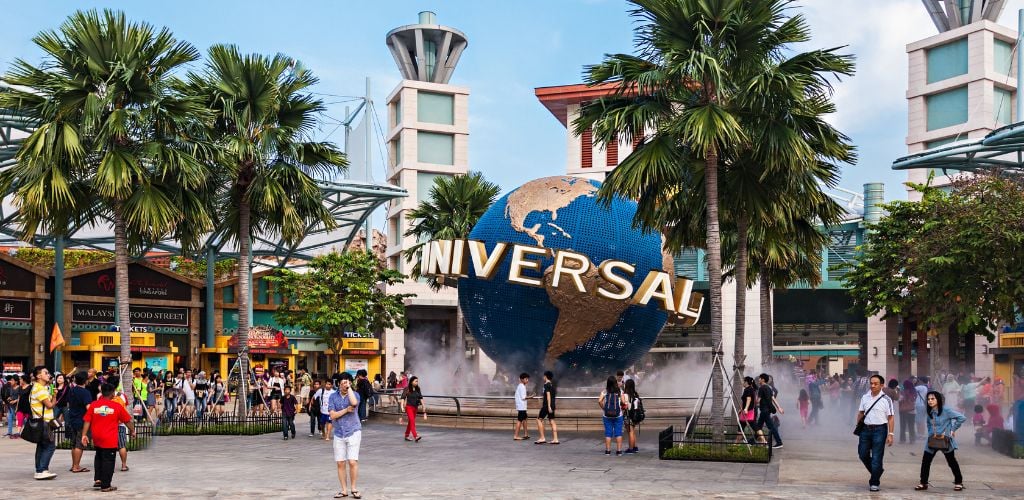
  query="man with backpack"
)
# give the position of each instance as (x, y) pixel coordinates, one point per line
(365, 392)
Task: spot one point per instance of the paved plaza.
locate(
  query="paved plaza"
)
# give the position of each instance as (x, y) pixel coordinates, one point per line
(453, 463)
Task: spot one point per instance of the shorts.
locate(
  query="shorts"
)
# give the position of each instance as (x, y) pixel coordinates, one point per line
(76, 438)
(190, 401)
(521, 415)
(612, 427)
(325, 419)
(304, 392)
(275, 396)
(544, 413)
(151, 401)
(122, 437)
(347, 448)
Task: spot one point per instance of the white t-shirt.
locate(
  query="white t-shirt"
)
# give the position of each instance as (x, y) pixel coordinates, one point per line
(326, 394)
(186, 386)
(521, 397)
(880, 413)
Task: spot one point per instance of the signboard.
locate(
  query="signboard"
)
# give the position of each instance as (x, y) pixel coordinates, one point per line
(16, 309)
(138, 348)
(354, 365)
(89, 312)
(359, 352)
(143, 283)
(157, 363)
(15, 278)
(13, 367)
(263, 337)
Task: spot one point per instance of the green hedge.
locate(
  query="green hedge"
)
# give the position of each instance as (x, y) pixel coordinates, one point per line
(716, 452)
(135, 444)
(217, 429)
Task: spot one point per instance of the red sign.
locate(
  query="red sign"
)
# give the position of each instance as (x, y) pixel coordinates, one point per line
(262, 337)
(13, 366)
(359, 352)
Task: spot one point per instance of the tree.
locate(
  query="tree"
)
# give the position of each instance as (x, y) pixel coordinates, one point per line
(450, 211)
(949, 260)
(115, 138)
(698, 93)
(341, 292)
(264, 116)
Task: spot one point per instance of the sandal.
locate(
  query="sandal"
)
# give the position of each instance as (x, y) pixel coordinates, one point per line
(83, 469)
(539, 442)
(356, 494)
(554, 442)
(341, 494)
(124, 468)
(958, 487)
(921, 487)
(518, 439)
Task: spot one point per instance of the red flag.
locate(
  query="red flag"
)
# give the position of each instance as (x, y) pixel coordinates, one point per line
(56, 338)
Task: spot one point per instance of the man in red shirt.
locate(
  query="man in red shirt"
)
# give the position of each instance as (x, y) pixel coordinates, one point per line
(102, 418)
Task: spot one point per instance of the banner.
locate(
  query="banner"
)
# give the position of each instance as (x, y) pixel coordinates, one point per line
(56, 338)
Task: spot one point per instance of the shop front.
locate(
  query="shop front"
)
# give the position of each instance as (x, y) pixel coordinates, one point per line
(311, 355)
(1009, 363)
(161, 302)
(361, 354)
(268, 348)
(101, 350)
(23, 333)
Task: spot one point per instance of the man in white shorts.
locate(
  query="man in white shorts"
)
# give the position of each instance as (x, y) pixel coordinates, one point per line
(343, 406)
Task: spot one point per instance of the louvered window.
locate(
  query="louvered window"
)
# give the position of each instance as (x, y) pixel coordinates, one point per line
(613, 153)
(587, 151)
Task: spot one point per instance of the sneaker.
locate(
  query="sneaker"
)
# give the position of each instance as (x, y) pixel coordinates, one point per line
(293, 435)
(286, 438)
(310, 434)
(629, 451)
(777, 446)
(44, 475)
(618, 453)
(873, 488)
(608, 452)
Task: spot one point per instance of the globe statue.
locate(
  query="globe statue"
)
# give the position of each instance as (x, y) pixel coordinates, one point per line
(525, 328)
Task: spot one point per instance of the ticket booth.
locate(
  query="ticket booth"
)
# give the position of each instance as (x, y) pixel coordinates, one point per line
(268, 348)
(161, 302)
(101, 350)
(24, 336)
(360, 354)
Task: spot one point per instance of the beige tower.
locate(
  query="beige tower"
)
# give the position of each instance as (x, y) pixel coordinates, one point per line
(428, 136)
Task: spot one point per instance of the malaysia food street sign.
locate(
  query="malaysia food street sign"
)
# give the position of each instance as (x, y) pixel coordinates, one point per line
(454, 258)
(89, 312)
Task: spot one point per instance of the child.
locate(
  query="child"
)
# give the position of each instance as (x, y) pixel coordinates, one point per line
(524, 379)
(288, 404)
(803, 403)
(103, 417)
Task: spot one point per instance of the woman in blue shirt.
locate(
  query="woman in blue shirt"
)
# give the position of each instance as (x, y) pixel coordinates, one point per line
(941, 422)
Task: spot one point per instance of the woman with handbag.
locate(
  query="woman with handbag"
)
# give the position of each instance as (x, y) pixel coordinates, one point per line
(942, 426)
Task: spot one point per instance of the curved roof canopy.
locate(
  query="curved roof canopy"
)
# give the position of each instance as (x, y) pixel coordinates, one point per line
(351, 202)
(1002, 149)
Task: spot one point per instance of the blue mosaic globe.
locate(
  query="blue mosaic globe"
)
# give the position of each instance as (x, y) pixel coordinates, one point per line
(525, 328)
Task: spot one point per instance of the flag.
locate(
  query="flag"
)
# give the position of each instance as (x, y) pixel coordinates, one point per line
(56, 338)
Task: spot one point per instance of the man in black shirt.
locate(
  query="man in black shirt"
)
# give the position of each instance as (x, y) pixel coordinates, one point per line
(78, 399)
(92, 384)
(767, 406)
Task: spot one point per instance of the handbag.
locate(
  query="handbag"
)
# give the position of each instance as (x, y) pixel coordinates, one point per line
(747, 416)
(938, 442)
(859, 428)
(35, 429)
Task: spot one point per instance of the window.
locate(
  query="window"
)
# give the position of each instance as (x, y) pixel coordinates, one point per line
(436, 108)
(229, 295)
(947, 108)
(947, 61)
(435, 148)
(586, 149)
(424, 182)
(1002, 57)
(396, 112)
(396, 151)
(1001, 100)
(262, 295)
(613, 153)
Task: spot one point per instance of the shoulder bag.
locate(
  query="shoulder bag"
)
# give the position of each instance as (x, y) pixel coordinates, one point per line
(859, 428)
(938, 442)
(35, 429)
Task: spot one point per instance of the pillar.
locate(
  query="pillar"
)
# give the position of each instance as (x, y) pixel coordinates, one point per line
(211, 261)
(58, 297)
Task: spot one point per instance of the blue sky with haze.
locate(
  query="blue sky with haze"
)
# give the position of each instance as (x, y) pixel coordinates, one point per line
(513, 48)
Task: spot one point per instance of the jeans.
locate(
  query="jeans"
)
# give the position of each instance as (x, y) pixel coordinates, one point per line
(44, 452)
(816, 405)
(871, 449)
(200, 407)
(288, 422)
(170, 404)
(907, 426)
(362, 409)
(314, 422)
(926, 465)
(765, 418)
(11, 418)
(104, 466)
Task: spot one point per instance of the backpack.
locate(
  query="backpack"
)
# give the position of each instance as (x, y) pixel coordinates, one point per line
(611, 405)
(636, 413)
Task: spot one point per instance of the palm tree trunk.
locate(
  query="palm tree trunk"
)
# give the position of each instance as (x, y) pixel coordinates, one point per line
(244, 296)
(767, 335)
(124, 321)
(715, 279)
(739, 351)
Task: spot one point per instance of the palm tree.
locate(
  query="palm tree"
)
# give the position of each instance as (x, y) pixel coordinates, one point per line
(264, 117)
(699, 92)
(449, 212)
(113, 139)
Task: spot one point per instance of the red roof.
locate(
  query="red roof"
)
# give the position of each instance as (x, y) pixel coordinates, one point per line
(557, 98)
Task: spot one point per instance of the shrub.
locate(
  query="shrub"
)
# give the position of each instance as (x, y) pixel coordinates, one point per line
(723, 453)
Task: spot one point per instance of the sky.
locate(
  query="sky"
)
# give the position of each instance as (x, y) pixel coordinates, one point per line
(515, 47)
